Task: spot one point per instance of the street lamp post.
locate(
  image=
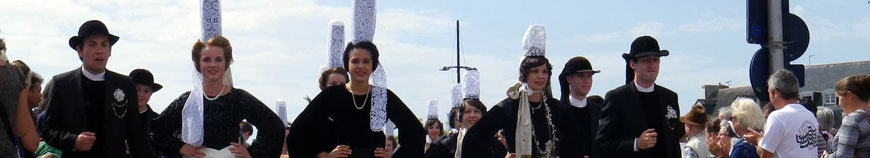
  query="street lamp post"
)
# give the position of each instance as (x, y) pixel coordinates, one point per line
(467, 68)
(458, 67)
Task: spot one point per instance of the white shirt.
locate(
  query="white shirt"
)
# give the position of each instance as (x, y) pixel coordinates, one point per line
(645, 90)
(791, 132)
(94, 77)
(577, 103)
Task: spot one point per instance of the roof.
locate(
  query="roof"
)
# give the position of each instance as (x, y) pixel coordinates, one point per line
(727, 95)
(825, 76)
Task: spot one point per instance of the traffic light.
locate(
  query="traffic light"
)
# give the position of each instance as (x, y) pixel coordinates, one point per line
(795, 35)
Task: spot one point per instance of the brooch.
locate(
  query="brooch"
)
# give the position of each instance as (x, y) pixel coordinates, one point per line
(119, 104)
(672, 114)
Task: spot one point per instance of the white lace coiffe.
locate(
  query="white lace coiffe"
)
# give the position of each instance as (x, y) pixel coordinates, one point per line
(192, 113)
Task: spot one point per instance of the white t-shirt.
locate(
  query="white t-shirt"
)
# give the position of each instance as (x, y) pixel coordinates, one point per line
(791, 132)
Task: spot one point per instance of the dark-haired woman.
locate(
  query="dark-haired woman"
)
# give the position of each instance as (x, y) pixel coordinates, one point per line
(222, 107)
(471, 112)
(355, 132)
(530, 117)
(434, 131)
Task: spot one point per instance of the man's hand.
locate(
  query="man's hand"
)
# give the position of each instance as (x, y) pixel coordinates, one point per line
(340, 151)
(646, 140)
(753, 137)
(85, 141)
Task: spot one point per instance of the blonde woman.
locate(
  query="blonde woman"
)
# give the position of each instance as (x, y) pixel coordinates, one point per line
(746, 115)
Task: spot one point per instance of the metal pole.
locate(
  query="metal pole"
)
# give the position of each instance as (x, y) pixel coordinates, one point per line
(810, 60)
(775, 41)
(457, 51)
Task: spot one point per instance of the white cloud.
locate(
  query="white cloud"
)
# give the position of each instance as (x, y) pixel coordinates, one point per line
(648, 28)
(278, 49)
(797, 10)
(713, 24)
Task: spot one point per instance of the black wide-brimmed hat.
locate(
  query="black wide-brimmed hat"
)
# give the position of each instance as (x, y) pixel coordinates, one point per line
(641, 47)
(644, 46)
(92, 27)
(574, 65)
(144, 77)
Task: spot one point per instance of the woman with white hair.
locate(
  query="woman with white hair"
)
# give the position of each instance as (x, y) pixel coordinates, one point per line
(826, 127)
(746, 115)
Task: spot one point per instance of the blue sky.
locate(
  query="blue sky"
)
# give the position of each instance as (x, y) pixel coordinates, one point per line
(279, 45)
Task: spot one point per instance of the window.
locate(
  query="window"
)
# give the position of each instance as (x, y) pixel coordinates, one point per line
(830, 98)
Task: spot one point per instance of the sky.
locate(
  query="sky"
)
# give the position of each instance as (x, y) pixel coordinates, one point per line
(279, 45)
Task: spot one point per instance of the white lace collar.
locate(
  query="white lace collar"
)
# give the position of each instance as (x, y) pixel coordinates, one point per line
(94, 77)
(645, 90)
(577, 103)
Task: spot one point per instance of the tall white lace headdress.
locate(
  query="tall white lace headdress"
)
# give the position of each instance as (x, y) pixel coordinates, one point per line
(534, 45)
(281, 110)
(192, 114)
(471, 85)
(336, 44)
(364, 30)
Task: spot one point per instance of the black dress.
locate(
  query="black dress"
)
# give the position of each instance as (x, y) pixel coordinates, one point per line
(504, 116)
(331, 119)
(221, 122)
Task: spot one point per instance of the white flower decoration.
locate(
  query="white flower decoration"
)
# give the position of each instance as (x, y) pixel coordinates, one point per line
(672, 114)
(119, 95)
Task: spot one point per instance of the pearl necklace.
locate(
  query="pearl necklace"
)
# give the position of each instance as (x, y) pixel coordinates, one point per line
(358, 107)
(218, 95)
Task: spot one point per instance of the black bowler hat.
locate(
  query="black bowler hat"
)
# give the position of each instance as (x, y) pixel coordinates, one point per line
(641, 47)
(644, 46)
(574, 65)
(92, 27)
(144, 77)
(577, 65)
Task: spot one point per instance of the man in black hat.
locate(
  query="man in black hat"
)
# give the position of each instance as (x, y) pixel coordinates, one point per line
(91, 111)
(641, 119)
(576, 81)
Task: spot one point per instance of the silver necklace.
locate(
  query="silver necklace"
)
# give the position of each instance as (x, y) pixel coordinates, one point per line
(359, 107)
(217, 96)
(544, 99)
(539, 106)
(549, 145)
